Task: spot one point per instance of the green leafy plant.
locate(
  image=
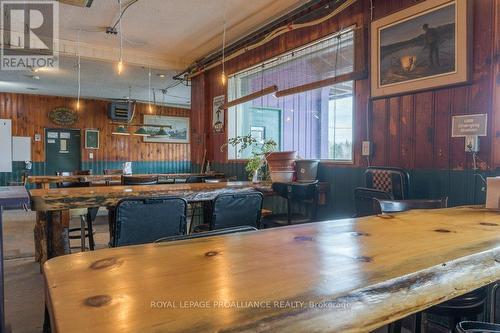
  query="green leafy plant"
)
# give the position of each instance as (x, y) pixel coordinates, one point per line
(259, 150)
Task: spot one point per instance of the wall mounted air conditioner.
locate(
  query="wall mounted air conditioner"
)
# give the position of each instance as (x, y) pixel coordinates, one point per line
(121, 110)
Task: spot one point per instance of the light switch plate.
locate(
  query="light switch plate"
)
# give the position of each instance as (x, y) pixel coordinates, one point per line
(366, 148)
(91, 156)
(472, 144)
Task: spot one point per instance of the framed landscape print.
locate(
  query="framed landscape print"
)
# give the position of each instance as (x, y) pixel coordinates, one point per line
(176, 128)
(423, 47)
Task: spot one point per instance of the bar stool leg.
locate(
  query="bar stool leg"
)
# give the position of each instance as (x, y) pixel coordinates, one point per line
(418, 323)
(82, 233)
(90, 227)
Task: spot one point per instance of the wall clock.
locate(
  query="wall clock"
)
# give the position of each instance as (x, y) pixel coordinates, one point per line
(63, 116)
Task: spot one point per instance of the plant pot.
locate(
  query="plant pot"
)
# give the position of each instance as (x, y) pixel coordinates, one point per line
(307, 170)
(282, 176)
(281, 161)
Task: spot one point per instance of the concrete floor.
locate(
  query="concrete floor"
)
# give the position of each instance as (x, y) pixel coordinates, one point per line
(24, 290)
(24, 293)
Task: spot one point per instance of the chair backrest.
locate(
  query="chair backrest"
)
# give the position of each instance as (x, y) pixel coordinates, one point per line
(142, 180)
(393, 180)
(113, 171)
(195, 179)
(144, 220)
(211, 233)
(477, 327)
(364, 200)
(236, 209)
(396, 206)
(299, 195)
(71, 184)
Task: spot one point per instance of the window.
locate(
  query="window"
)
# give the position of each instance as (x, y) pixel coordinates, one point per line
(316, 123)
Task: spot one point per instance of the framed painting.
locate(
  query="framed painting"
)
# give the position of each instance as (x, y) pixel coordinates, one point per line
(422, 47)
(91, 139)
(176, 128)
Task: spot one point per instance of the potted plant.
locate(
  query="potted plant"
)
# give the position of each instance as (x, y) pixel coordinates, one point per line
(257, 163)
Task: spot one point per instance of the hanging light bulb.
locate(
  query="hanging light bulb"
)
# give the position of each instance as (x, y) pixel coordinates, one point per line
(120, 63)
(79, 70)
(150, 107)
(223, 76)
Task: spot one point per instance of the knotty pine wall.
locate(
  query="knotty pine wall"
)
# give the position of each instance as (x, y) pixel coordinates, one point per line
(29, 114)
(410, 131)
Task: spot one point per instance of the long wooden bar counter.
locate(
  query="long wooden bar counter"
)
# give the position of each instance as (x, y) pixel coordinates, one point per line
(350, 275)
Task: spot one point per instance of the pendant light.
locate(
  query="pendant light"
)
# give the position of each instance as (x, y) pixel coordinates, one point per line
(150, 107)
(120, 63)
(161, 133)
(121, 130)
(141, 131)
(223, 76)
(79, 69)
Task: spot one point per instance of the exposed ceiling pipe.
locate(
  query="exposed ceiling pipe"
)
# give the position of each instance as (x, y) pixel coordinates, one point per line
(296, 19)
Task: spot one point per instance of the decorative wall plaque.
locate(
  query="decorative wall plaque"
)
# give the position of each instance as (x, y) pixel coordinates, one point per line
(63, 116)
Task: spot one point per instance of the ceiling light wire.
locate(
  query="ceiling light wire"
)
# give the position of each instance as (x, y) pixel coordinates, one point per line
(224, 48)
(79, 68)
(120, 63)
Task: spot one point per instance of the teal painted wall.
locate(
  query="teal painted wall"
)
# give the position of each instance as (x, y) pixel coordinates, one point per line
(462, 187)
(98, 167)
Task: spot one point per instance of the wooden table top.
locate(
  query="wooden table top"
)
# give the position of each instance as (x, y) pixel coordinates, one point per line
(106, 196)
(103, 178)
(83, 197)
(350, 275)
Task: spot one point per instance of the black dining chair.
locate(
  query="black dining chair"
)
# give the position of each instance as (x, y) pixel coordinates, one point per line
(395, 181)
(477, 327)
(395, 206)
(234, 210)
(144, 220)
(364, 200)
(465, 306)
(86, 229)
(301, 202)
(142, 180)
(211, 233)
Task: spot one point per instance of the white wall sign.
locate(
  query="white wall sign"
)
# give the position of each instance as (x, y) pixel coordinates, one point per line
(21, 148)
(5, 145)
(469, 125)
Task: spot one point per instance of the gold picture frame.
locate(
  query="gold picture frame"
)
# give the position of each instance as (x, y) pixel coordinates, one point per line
(423, 47)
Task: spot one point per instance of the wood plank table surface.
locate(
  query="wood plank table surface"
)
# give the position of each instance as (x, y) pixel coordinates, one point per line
(10, 196)
(352, 275)
(45, 181)
(52, 204)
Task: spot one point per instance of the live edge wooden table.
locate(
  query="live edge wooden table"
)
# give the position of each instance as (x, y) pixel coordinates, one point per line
(51, 205)
(352, 275)
(45, 181)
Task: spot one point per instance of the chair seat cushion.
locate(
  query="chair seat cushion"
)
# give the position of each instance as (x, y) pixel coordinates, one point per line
(469, 303)
(282, 220)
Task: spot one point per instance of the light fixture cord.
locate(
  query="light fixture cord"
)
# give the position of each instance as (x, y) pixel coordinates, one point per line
(149, 86)
(224, 42)
(121, 32)
(79, 66)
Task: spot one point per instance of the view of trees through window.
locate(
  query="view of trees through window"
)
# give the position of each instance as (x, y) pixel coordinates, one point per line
(315, 123)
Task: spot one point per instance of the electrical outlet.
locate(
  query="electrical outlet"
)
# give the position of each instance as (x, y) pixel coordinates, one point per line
(366, 148)
(472, 144)
(91, 156)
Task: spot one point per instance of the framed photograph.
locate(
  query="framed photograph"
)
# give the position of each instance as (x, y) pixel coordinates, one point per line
(423, 47)
(258, 133)
(176, 128)
(218, 114)
(91, 139)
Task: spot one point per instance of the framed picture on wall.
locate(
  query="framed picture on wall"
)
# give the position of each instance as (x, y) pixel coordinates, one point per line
(176, 129)
(91, 139)
(423, 47)
(218, 114)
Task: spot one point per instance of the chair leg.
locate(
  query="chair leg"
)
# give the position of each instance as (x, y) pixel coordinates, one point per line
(82, 233)
(395, 327)
(46, 321)
(418, 323)
(90, 227)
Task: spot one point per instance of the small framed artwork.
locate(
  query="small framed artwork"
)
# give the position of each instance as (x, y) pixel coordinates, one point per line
(218, 114)
(422, 47)
(91, 139)
(258, 133)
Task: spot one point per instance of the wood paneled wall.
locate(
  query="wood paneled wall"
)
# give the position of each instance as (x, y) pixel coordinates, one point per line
(411, 131)
(29, 114)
